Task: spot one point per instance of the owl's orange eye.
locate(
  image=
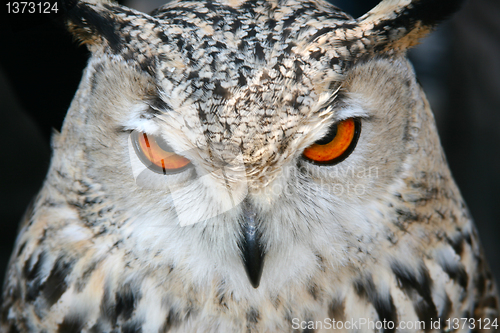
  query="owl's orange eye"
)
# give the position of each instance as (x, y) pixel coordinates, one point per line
(157, 155)
(337, 144)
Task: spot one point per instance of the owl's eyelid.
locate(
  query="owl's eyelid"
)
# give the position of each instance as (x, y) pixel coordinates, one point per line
(337, 121)
(159, 138)
(149, 163)
(348, 109)
(361, 118)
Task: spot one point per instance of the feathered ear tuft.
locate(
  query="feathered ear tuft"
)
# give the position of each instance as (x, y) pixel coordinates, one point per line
(98, 22)
(92, 23)
(396, 25)
(117, 30)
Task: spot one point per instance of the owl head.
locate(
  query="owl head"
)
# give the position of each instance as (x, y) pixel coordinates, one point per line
(237, 133)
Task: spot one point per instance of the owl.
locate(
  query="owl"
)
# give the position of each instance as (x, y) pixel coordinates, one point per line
(249, 166)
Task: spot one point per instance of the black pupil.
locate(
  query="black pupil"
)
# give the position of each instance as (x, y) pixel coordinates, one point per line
(332, 133)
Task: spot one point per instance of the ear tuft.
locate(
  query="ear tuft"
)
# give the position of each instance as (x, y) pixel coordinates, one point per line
(93, 23)
(396, 25)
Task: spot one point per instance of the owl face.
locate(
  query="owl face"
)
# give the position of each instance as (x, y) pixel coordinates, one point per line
(225, 133)
(247, 166)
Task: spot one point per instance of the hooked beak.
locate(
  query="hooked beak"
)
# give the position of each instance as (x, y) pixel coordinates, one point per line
(252, 251)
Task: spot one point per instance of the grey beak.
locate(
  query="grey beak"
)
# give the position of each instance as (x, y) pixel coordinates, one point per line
(252, 251)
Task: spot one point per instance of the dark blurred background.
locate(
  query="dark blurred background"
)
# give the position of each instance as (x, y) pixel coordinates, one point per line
(458, 66)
